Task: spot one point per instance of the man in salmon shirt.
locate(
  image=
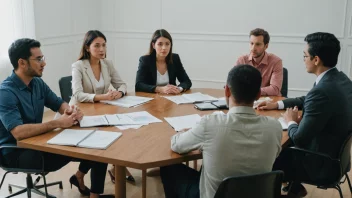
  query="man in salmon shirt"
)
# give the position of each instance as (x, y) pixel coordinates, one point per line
(269, 65)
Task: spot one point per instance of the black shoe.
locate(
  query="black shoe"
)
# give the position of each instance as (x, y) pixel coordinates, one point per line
(74, 181)
(130, 179)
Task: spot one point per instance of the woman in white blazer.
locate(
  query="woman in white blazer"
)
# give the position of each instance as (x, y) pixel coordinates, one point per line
(92, 76)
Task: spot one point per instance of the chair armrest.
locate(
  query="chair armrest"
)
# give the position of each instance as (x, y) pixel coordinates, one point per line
(300, 150)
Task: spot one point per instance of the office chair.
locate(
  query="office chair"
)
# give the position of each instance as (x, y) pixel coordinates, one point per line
(284, 87)
(265, 185)
(342, 164)
(30, 185)
(66, 88)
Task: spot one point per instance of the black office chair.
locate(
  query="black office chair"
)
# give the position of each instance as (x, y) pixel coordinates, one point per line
(343, 164)
(66, 88)
(30, 185)
(284, 87)
(266, 185)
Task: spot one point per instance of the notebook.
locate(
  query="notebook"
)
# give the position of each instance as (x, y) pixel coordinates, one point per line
(85, 138)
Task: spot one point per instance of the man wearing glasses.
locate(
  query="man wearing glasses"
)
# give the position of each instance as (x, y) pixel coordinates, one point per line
(326, 118)
(23, 96)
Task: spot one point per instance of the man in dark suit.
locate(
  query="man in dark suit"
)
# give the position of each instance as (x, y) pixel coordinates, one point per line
(326, 119)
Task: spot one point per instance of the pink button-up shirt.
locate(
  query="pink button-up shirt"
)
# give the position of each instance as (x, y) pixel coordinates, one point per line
(271, 69)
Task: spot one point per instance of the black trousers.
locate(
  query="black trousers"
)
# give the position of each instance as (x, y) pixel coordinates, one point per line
(180, 181)
(300, 167)
(31, 159)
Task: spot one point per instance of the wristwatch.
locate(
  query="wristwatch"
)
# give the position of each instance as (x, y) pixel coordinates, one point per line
(180, 88)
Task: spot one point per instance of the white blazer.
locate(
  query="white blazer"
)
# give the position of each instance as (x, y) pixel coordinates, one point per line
(83, 80)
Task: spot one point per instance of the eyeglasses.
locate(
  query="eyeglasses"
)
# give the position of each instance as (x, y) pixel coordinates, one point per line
(39, 60)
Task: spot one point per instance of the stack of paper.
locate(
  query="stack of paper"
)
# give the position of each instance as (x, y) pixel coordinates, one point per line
(85, 138)
(191, 98)
(128, 101)
(183, 122)
(135, 118)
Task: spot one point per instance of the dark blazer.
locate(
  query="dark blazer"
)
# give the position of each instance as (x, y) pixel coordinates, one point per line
(327, 119)
(147, 72)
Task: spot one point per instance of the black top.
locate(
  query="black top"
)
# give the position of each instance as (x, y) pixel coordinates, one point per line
(147, 74)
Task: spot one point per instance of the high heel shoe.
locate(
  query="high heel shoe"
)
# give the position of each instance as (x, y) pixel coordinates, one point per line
(74, 181)
(128, 178)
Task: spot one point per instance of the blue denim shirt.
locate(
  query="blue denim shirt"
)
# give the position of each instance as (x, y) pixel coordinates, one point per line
(22, 104)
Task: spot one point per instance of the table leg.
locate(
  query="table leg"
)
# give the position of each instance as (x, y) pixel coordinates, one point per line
(187, 163)
(195, 164)
(120, 181)
(144, 183)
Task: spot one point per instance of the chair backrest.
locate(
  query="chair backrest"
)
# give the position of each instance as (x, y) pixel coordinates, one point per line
(284, 87)
(266, 185)
(345, 155)
(66, 88)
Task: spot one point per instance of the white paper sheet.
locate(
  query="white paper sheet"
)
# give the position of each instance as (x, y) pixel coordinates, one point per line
(142, 117)
(128, 101)
(191, 98)
(125, 127)
(178, 99)
(90, 121)
(183, 122)
(100, 139)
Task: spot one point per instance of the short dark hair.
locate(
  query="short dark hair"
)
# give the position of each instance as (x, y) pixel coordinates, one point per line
(88, 39)
(21, 48)
(157, 34)
(324, 45)
(261, 32)
(244, 82)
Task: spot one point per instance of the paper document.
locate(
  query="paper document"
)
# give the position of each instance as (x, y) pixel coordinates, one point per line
(128, 101)
(190, 98)
(142, 117)
(90, 121)
(283, 123)
(125, 127)
(199, 97)
(100, 139)
(183, 122)
(85, 138)
(178, 99)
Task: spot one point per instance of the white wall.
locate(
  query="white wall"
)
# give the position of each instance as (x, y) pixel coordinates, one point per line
(210, 35)
(60, 27)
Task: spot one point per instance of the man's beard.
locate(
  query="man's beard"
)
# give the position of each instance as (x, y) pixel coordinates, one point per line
(31, 72)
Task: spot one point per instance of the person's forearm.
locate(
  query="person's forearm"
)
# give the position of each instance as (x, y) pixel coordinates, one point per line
(63, 107)
(99, 97)
(271, 90)
(158, 89)
(29, 130)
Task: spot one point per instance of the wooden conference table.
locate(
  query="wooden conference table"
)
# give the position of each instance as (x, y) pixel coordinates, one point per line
(147, 147)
